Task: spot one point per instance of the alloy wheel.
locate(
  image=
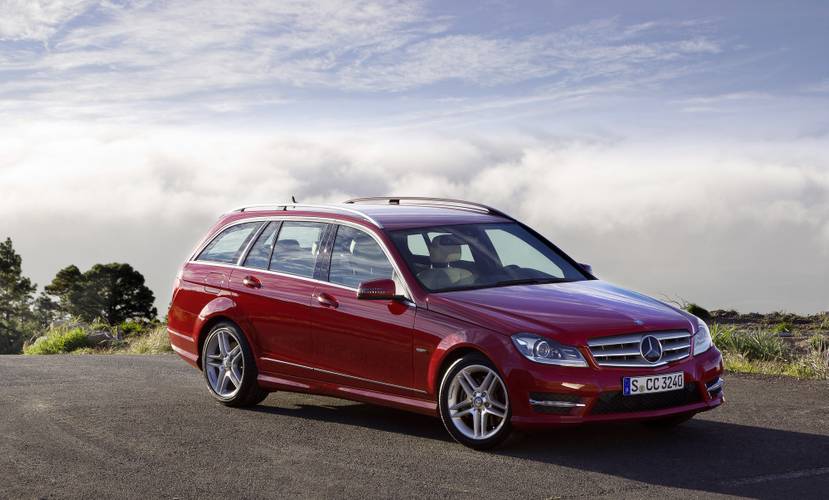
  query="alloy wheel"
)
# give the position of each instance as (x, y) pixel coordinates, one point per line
(478, 402)
(225, 363)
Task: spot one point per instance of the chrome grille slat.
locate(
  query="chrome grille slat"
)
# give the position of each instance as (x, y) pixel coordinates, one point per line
(617, 352)
(623, 350)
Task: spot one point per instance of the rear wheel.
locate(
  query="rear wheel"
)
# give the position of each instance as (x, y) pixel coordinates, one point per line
(229, 368)
(474, 403)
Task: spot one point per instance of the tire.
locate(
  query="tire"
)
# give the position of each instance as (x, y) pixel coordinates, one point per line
(474, 403)
(229, 368)
(669, 422)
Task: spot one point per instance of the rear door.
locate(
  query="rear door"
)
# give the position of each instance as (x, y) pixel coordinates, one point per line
(275, 287)
(361, 342)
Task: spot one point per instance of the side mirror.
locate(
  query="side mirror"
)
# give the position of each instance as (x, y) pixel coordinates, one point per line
(587, 268)
(384, 289)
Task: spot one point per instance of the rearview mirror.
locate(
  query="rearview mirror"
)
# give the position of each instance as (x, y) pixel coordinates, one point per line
(384, 289)
(587, 268)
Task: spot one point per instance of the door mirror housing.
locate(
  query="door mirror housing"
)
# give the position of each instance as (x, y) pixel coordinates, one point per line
(383, 289)
(587, 268)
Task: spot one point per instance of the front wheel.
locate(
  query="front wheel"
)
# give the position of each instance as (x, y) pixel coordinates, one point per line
(474, 403)
(229, 368)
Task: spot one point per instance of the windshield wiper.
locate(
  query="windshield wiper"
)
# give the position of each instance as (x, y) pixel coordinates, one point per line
(530, 281)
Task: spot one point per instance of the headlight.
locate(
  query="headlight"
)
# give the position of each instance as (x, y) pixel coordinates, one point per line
(702, 339)
(547, 351)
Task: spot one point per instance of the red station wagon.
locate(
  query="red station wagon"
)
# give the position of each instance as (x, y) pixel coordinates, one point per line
(437, 306)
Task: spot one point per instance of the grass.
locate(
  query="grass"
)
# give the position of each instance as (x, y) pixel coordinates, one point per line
(764, 352)
(137, 339)
(58, 341)
(754, 345)
(154, 341)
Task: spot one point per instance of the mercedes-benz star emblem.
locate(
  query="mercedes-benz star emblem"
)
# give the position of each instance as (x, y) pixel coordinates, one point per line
(651, 348)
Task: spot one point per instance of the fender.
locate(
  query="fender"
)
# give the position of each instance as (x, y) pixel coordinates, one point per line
(461, 335)
(223, 306)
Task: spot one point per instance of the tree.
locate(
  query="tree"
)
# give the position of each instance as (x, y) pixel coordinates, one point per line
(112, 292)
(16, 293)
(45, 310)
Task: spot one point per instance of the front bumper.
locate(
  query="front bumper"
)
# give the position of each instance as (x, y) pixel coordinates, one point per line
(543, 395)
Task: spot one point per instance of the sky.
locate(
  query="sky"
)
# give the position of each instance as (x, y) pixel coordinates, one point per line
(680, 148)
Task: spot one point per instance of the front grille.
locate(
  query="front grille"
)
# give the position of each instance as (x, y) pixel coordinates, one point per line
(616, 402)
(625, 351)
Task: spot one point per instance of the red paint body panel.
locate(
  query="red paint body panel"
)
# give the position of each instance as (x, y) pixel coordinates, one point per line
(368, 339)
(393, 353)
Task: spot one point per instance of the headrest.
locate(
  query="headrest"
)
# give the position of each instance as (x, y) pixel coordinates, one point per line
(288, 246)
(367, 249)
(445, 249)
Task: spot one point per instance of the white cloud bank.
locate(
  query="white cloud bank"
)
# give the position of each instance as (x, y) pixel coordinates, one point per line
(742, 225)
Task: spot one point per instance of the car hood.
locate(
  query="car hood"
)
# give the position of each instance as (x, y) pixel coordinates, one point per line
(568, 312)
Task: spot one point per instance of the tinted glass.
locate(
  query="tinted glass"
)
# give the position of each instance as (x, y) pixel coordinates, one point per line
(481, 255)
(514, 252)
(296, 249)
(260, 254)
(356, 258)
(228, 246)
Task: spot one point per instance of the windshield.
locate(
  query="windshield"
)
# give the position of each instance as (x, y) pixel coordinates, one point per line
(465, 256)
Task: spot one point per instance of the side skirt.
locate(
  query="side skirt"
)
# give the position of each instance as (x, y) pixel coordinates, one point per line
(271, 382)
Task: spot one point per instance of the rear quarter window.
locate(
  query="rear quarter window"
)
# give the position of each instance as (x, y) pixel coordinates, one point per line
(227, 247)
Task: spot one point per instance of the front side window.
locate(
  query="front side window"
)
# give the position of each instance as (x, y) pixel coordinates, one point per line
(228, 246)
(296, 248)
(357, 257)
(469, 256)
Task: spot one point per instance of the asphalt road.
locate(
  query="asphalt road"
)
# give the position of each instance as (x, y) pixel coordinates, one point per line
(144, 426)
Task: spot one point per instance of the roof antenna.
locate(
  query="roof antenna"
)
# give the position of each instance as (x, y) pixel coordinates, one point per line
(293, 198)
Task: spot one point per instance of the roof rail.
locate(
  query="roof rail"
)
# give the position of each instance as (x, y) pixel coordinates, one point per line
(433, 202)
(299, 206)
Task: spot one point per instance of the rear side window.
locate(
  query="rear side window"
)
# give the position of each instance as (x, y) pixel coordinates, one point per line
(260, 253)
(228, 246)
(356, 258)
(297, 247)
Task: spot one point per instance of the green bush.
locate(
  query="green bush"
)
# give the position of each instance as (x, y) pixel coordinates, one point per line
(131, 328)
(753, 345)
(783, 327)
(698, 311)
(57, 341)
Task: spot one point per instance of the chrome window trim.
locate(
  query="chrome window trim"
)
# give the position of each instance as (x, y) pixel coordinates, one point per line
(340, 374)
(289, 218)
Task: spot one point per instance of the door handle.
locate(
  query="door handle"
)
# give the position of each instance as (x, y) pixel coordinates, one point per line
(326, 300)
(251, 282)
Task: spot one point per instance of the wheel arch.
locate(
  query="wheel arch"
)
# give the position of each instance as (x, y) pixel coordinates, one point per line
(451, 355)
(208, 325)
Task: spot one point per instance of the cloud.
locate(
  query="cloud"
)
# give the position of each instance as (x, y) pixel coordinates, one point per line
(727, 224)
(117, 59)
(37, 20)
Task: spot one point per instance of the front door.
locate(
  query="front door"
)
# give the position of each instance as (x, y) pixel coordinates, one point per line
(366, 343)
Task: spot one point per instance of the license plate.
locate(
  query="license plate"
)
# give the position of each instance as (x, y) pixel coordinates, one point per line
(653, 383)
